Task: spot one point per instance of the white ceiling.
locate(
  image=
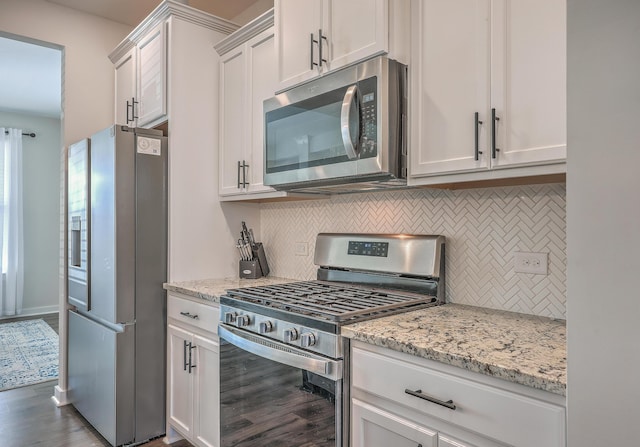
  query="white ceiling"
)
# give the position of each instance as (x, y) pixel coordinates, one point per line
(30, 73)
(131, 12)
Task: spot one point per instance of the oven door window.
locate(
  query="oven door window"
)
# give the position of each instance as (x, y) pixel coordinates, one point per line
(266, 403)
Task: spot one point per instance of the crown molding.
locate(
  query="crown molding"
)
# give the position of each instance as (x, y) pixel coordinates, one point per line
(166, 9)
(248, 31)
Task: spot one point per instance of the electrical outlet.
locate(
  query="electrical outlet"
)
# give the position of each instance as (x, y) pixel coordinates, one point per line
(526, 262)
(301, 249)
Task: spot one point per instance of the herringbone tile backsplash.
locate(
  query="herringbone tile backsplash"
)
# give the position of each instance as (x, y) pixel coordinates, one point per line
(483, 228)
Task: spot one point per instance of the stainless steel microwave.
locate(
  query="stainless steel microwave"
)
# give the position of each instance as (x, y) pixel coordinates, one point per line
(343, 132)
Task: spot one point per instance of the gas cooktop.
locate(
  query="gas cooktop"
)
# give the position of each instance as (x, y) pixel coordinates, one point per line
(334, 302)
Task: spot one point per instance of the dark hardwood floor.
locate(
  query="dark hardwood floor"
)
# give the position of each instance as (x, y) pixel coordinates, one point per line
(28, 416)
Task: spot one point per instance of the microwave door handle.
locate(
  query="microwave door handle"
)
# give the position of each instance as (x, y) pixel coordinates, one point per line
(347, 103)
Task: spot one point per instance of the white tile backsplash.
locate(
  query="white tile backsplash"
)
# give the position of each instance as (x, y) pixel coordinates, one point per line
(483, 228)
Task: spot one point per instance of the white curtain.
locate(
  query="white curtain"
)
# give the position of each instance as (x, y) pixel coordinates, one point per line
(11, 225)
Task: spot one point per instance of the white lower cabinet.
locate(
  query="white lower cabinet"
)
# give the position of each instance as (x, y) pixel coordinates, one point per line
(193, 395)
(402, 400)
(374, 427)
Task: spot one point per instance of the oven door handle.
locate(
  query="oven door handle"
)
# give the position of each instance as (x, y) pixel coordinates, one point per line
(350, 98)
(281, 353)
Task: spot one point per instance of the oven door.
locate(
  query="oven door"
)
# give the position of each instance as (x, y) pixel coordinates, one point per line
(272, 394)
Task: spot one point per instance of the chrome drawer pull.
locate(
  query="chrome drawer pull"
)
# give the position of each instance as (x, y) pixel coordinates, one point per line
(187, 314)
(418, 393)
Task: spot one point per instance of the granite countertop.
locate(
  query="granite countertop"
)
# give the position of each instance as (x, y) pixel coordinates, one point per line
(520, 348)
(211, 289)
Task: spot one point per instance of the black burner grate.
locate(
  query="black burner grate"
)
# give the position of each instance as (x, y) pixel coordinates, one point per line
(332, 301)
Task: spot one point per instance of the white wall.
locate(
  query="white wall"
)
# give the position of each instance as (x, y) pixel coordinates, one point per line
(88, 75)
(603, 223)
(253, 11)
(41, 158)
(202, 230)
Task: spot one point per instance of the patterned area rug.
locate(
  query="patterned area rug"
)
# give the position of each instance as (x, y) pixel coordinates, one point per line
(28, 353)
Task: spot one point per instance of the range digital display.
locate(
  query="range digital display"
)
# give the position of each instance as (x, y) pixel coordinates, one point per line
(380, 249)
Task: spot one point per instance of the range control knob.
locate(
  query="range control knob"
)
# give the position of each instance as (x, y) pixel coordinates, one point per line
(230, 317)
(242, 320)
(290, 335)
(307, 339)
(266, 326)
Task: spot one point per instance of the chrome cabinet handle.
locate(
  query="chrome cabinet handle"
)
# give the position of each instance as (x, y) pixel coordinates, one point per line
(191, 348)
(494, 120)
(129, 106)
(133, 110)
(184, 355)
(320, 58)
(347, 141)
(418, 393)
(478, 122)
(313, 63)
(243, 166)
(244, 174)
(190, 315)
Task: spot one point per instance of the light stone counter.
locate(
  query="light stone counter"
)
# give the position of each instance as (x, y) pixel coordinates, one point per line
(211, 289)
(520, 348)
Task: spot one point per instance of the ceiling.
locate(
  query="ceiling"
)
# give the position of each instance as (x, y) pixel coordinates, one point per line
(31, 83)
(132, 12)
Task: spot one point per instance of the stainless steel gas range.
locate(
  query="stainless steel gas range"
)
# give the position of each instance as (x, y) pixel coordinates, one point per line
(284, 368)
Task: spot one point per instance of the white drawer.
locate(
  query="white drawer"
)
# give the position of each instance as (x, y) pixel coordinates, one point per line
(499, 414)
(203, 316)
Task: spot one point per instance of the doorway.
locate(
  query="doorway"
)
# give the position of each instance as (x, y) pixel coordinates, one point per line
(31, 92)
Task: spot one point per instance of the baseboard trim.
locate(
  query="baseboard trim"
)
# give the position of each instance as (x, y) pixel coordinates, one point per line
(60, 397)
(31, 311)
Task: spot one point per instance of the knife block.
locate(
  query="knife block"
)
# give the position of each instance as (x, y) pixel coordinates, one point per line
(258, 253)
(250, 269)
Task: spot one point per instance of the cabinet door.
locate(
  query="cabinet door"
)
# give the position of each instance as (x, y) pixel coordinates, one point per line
(528, 85)
(125, 88)
(295, 22)
(355, 30)
(373, 427)
(449, 78)
(207, 392)
(233, 121)
(262, 85)
(179, 381)
(152, 76)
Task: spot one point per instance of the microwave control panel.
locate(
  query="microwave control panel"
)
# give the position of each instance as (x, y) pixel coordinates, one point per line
(369, 117)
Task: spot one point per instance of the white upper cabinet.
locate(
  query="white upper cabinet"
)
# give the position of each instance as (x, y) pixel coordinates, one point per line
(488, 89)
(141, 81)
(355, 30)
(232, 121)
(152, 76)
(314, 37)
(125, 87)
(528, 80)
(450, 73)
(297, 48)
(247, 78)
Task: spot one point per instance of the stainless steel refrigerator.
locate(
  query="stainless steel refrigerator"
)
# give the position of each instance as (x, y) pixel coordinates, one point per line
(117, 239)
